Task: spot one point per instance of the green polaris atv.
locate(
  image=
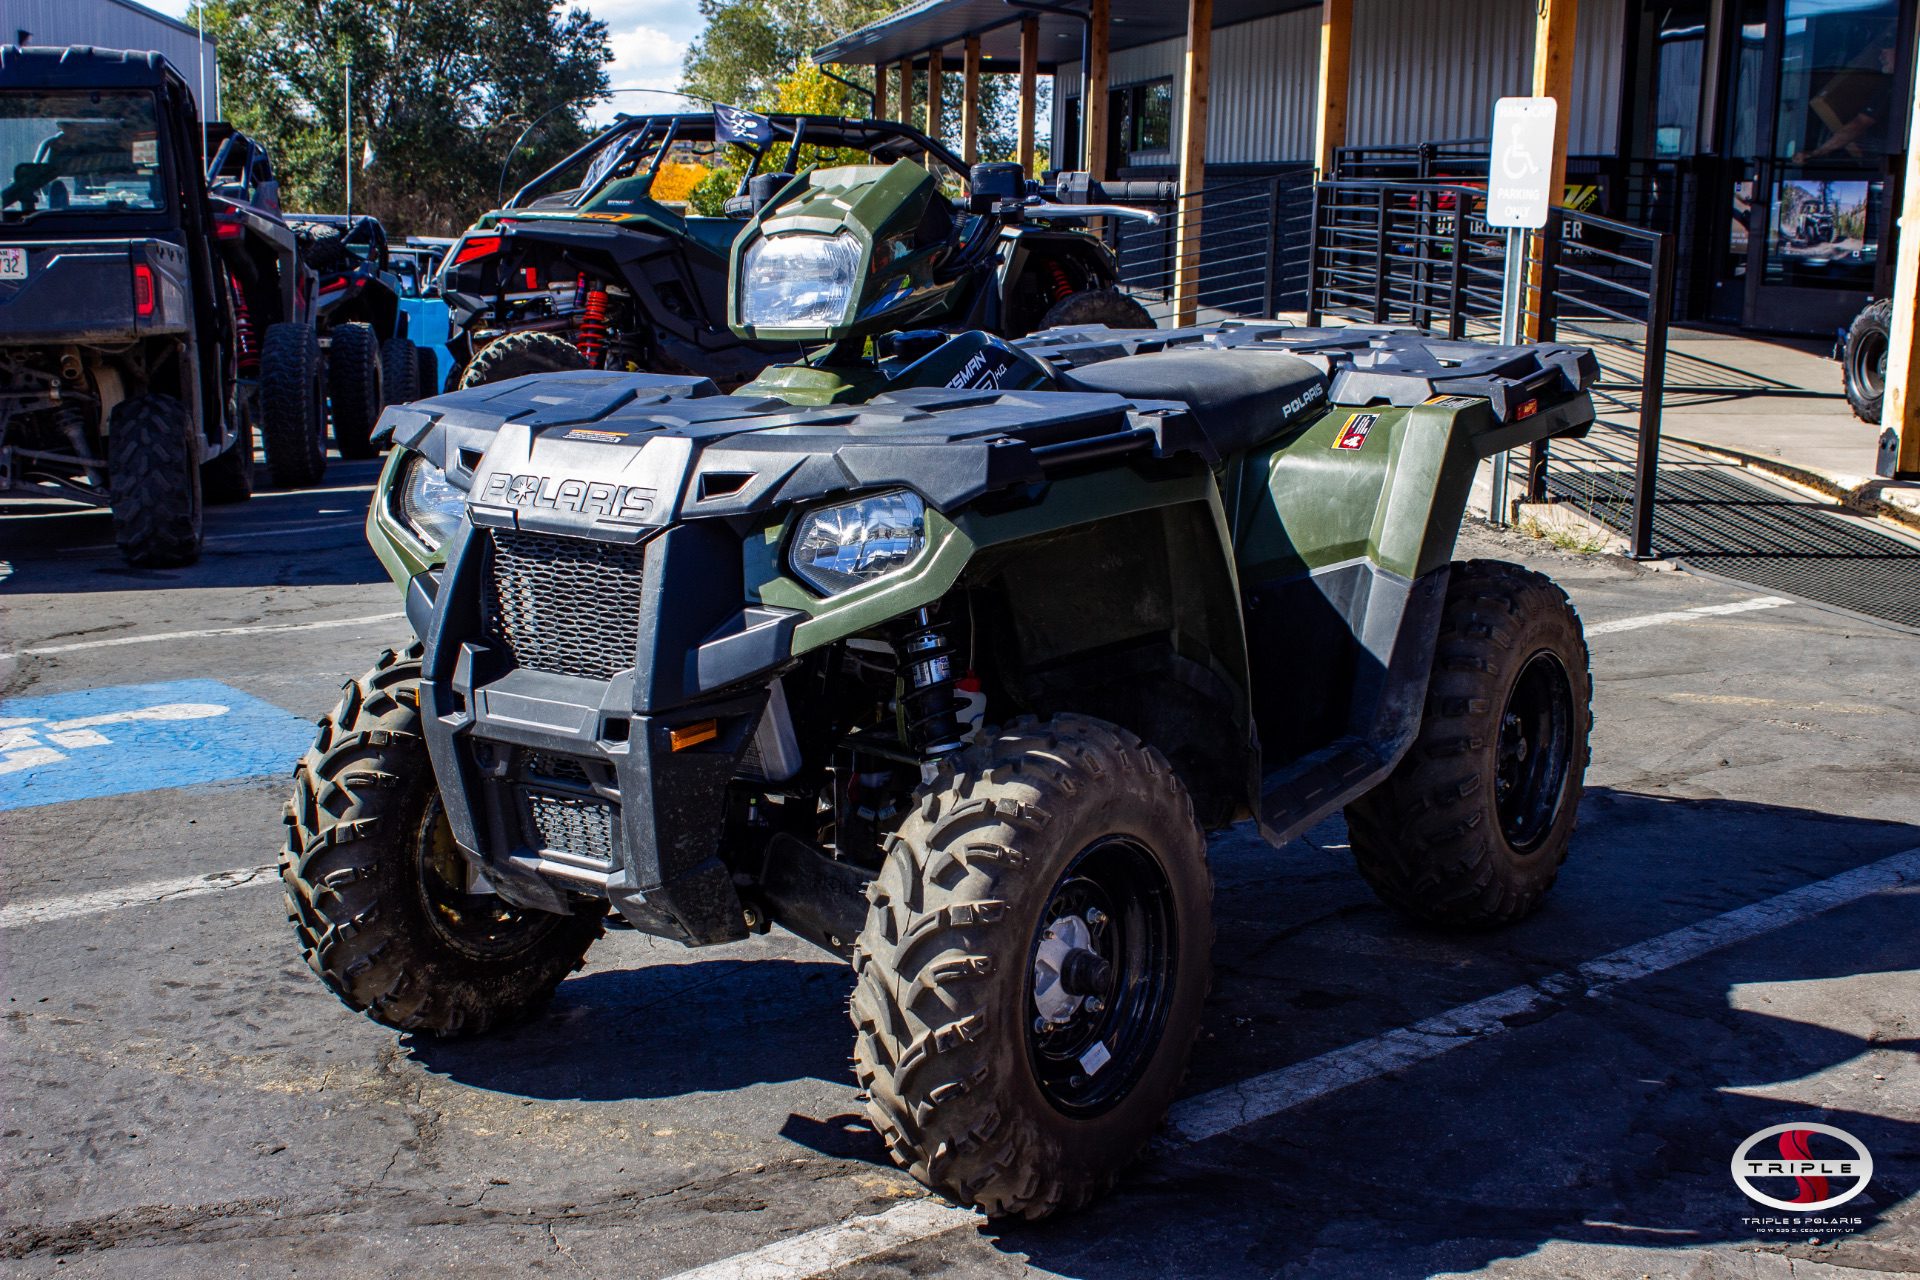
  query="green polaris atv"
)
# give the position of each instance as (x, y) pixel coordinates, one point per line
(945, 656)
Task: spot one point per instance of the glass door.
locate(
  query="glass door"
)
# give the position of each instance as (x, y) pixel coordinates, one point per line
(1832, 104)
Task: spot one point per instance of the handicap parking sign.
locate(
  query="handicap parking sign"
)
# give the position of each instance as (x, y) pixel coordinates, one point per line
(140, 737)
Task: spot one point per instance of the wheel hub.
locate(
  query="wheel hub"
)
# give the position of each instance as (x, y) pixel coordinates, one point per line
(1534, 752)
(1068, 972)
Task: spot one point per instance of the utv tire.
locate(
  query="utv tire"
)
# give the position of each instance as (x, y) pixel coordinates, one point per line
(399, 371)
(354, 389)
(323, 247)
(293, 405)
(516, 354)
(1014, 841)
(426, 376)
(156, 486)
(1097, 306)
(1863, 363)
(1471, 828)
(368, 866)
(229, 477)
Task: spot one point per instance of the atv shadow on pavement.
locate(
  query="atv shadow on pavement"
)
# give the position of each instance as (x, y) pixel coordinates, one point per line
(662, 1030)
(281, 537)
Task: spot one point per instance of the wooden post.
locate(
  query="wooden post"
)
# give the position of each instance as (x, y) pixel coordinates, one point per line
(1900, 410)
(970, 102)
(905, 112)
(879, 91)
(1193, 159)
(1336, 70)
(936, 57)
(1553, 28)
(1093, 91)
(1029, 89)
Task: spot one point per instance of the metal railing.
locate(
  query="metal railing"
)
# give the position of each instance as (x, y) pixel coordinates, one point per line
(1419, 254)
(1254, 240)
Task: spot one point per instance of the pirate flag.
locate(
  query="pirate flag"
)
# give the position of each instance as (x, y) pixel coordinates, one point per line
(736, 124)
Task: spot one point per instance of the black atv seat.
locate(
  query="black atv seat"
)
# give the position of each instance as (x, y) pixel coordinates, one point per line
(1239, 398)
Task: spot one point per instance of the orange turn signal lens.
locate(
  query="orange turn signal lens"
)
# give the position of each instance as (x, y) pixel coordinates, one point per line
(693, 735)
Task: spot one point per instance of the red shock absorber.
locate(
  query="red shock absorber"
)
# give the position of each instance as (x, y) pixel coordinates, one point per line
(592, 339)
(1062, 287)
(246, 347)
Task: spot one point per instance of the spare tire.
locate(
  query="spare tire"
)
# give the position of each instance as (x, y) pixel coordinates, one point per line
(518, 354)
(1863, 360)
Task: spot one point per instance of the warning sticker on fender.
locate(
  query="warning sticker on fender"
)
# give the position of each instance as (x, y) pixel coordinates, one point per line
(598, 437)
(1453, 402)
(1354, 434)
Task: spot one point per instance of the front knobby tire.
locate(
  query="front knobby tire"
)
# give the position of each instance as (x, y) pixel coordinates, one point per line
(1049, 823)
(1471, 827)
(376, 889)
(515, 355)
(1097, 306)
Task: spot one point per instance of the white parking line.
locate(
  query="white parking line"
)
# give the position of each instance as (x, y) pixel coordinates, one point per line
(255, 630)
(1221, 1111)
(45, 910)
(1687, 615)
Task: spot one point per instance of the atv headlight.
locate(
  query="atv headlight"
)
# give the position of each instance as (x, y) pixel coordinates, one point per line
(798, 280)
(843, 546)
(430, 505)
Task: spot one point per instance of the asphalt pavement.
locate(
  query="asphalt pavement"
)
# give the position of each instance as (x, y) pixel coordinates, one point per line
(1734, 944)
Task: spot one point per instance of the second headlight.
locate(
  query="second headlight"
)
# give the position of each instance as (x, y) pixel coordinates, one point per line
(428, 504)
(839, 547)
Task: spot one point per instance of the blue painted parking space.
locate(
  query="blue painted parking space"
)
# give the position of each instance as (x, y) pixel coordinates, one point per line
(140, 737)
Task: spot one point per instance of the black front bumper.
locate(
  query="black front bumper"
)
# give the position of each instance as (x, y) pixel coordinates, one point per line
(551, 722)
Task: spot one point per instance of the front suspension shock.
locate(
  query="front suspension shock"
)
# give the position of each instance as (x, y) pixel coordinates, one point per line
(928, 705)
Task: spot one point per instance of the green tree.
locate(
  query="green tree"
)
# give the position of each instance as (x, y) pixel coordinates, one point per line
(441, 88)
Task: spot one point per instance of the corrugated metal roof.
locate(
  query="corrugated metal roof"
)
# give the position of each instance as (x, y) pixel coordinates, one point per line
(932, 24)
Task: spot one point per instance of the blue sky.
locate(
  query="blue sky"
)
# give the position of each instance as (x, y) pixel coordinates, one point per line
(649, 38)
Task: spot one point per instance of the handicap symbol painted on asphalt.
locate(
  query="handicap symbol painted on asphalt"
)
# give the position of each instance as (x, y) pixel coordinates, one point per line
(140, 737)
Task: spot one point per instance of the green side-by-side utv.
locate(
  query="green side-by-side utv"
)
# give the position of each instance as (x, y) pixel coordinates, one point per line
(943, 652)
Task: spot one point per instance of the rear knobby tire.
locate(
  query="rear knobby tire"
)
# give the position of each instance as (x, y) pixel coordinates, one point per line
(293, 405)
(1097, 306)
(399, 371)
(1863, 360)
(944, 1003)
(516, 354)
(155, 482)
(354, 389)
(367, 868)
(1452, 837)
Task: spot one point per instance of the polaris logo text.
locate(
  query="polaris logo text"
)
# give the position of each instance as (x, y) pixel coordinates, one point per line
(583, 497)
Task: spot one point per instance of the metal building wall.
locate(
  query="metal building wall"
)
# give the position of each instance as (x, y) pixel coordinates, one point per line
(1431, 70)
(111, 24)
(1423, 70)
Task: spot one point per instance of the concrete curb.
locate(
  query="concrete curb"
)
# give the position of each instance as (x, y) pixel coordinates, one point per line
(1854, 494)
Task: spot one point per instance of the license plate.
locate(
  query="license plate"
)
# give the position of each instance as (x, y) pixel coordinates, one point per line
(13, 264)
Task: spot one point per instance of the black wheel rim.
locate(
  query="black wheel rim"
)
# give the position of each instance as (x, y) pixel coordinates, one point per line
(1535, 750)
(1870, 364)
(1089, 1060)
(482, 926)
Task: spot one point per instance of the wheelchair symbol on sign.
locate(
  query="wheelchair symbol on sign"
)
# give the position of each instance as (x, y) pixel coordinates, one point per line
(1516, 162)
(28, 742)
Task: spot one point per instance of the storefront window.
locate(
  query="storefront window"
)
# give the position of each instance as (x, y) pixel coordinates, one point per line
(1836, 118)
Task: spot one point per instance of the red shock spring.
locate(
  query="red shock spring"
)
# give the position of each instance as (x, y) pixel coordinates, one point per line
(592, 339)
(246, 349)
(1062, 287)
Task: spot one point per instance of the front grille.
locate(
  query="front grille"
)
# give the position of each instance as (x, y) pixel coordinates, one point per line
(567, 606)
(579, 827)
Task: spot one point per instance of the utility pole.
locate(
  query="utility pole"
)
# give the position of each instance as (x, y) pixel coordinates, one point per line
(348, 104)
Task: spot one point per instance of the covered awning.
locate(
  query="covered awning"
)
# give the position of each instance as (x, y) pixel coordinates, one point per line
(933, 24)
